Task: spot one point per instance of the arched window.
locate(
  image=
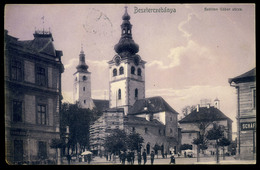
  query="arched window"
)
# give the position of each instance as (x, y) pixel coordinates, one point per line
(139, 72)
(119, 94)
(132, 70)
(115, 72)
(121, 70)
(84, 78)
(136, 93)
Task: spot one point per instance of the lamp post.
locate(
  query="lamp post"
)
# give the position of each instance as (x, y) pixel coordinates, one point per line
(67, 138)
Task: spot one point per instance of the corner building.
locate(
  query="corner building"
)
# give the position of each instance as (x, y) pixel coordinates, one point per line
(33, 71)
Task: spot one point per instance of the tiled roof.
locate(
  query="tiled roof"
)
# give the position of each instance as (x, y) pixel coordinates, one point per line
(101, 104)
(247, 76)
(114, 109)
(204, 114)
(151, 105)
(131, 119)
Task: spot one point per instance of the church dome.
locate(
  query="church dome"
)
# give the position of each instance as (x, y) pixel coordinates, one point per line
(82, 66)
(126, 43)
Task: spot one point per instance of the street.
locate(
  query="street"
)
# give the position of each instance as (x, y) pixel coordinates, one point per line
(166, 161)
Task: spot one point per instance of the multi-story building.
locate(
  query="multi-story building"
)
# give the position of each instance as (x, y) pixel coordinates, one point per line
(32, 73)
(200, 121)
(245, 85)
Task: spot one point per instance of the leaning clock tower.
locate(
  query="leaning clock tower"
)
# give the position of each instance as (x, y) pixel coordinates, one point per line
(82, 84)
(126, 70)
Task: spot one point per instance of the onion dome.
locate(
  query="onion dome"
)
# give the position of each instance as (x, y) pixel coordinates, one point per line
(82, 66)
(126, 43)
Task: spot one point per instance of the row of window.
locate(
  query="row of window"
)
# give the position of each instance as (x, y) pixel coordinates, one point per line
(41, 114)
(121, 71)
(19, 150)
(17, 73)
(120, 96)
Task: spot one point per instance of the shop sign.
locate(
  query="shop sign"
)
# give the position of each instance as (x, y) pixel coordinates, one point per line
(18, 132)
(248, 125)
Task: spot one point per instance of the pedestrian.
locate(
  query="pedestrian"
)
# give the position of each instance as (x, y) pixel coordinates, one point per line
(89, 158)
(144, 156)
(128, 157)
(106, 154)
(166, 154)
(132, 157)
(123, 156)
(172, 161)
(68, 158)
(152, 157)
(185, 154)
(139, 158)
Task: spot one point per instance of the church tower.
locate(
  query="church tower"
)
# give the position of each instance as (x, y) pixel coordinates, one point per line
(82, 84)
(126, 70)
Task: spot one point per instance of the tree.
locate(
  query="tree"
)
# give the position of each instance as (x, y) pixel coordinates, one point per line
(78, 120)
(134, 141)
(116, 141)
(187, 110)
(215, 133)
(201, 144)
(224, 142)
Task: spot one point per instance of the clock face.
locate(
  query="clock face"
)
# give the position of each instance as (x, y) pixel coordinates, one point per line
(137, 60)
(117, 60)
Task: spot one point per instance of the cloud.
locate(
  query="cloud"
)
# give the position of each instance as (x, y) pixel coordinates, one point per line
(98, 63)
(71, 63)
(180, 26)
(190, 51)
(95, 63)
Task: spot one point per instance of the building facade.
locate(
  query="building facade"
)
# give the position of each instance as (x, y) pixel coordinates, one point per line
(204, 117)
(245, 85)
(153, 118)
(32, 73)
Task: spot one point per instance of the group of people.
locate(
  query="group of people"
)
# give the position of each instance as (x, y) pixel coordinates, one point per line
(141, 157)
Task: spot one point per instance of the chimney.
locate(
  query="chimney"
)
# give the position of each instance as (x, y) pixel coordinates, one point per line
(198, 108)
(217, 103)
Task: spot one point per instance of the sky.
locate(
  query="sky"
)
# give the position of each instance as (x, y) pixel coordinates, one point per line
(190, 53)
